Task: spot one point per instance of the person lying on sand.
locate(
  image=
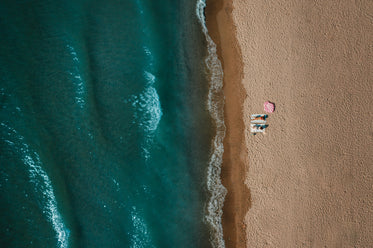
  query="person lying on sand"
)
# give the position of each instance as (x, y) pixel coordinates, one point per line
(260, 117)
(260, 127)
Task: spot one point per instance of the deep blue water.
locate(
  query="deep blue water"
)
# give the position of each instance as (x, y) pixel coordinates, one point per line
(105, 130)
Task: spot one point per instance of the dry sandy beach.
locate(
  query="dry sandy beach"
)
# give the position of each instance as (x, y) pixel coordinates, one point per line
(307, 182)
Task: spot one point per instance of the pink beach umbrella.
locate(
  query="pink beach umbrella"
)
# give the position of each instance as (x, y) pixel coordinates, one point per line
(269, 107)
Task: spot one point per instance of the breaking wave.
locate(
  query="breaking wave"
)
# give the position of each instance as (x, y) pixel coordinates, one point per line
(215, 105)
(80, 90)
(41, 182)
(147, 111)
(141, 236)
(147, 106)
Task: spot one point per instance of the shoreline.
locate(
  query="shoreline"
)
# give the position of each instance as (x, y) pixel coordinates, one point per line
(307, 181)
(222, 31)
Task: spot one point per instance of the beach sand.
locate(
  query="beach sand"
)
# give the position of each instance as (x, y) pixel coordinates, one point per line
(308, 181)
(221, 29)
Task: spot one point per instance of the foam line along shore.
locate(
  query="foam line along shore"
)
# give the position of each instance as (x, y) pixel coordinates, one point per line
(221, 31)
(215, 104)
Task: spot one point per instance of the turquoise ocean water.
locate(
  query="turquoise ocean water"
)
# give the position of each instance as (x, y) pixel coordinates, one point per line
(111, 125)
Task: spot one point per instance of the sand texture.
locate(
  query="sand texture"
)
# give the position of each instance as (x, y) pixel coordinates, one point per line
(236, 205)
(310, 177)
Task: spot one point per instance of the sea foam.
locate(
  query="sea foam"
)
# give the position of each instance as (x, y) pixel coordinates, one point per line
(147, 111)
(80, 91)
(141, 237)
(41, 182)
(215, 105)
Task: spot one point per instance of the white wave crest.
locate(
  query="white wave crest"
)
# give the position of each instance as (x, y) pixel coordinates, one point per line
(215, 105)
(42, 184)
(141, 237)
(148, 111)
(149, 77)
(78, 81)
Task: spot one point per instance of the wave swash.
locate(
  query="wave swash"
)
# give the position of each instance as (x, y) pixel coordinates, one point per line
(216, 108)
